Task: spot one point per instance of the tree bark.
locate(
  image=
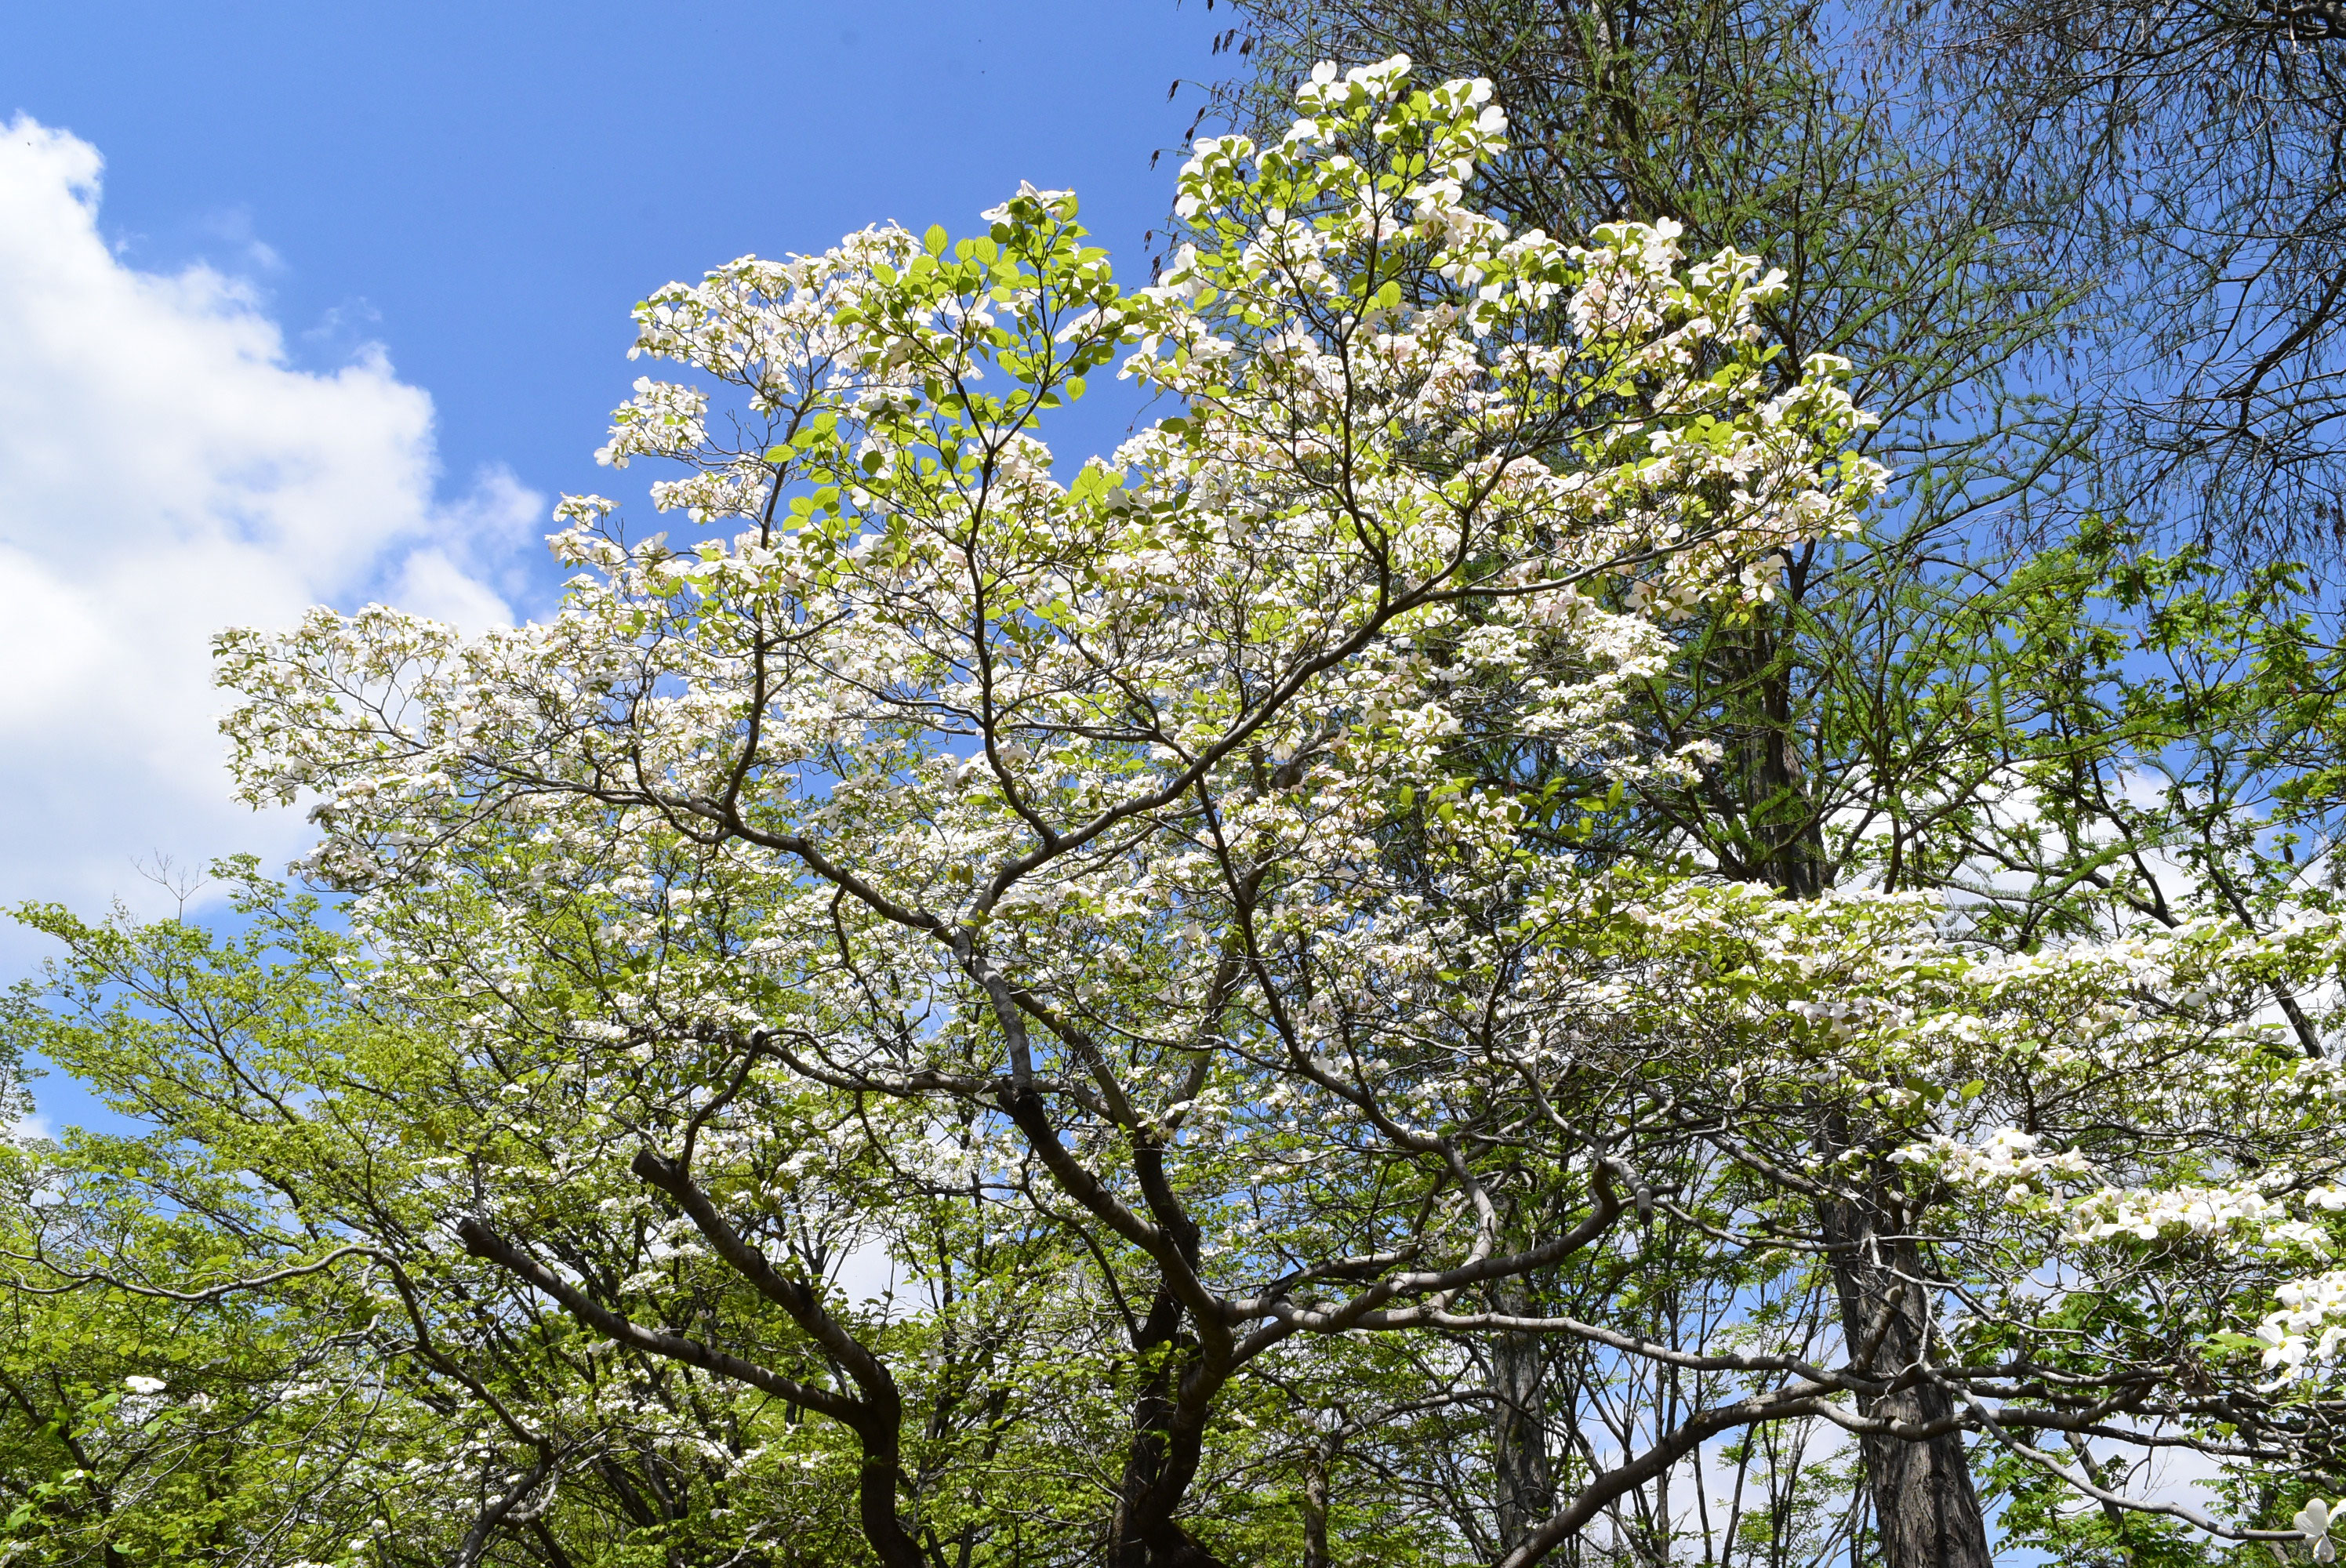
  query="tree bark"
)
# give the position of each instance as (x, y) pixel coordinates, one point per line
(1524, 1486)
(1162, 1454)
(1315, 1508)
(1926, 1511)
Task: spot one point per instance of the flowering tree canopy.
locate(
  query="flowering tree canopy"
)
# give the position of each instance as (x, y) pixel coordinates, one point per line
(1147, 904)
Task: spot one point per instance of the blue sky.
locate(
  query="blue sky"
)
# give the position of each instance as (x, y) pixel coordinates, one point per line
(308, 303)
(305, 303)
(483, 189)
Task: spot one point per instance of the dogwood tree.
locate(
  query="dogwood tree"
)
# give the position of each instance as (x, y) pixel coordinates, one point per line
(1164, 871)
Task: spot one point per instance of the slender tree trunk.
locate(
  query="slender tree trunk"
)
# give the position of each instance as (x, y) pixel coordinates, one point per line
(1525, 1487)
(1927, 1511)
(1315, 1507)
(1788, 821)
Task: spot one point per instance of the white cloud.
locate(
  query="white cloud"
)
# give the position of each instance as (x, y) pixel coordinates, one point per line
(164, 472)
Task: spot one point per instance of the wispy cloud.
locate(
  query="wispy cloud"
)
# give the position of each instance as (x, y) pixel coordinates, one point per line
(165, 471)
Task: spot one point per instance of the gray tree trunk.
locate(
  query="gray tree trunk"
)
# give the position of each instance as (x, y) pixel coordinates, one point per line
(1315, 1509)
(1925, 1508)
(1524, 1485)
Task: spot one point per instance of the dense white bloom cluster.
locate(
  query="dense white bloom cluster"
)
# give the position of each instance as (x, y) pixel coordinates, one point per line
(2008, 1159)
(2307, 1325)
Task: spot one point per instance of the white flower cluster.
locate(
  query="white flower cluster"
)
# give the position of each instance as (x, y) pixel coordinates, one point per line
(2006, 1161)
(2304, 1330)
(2207, 1213)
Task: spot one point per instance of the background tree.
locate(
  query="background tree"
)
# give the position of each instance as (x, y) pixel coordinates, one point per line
(2184, 161)
(1744, 123)
(1836, 721)
(2078, 260)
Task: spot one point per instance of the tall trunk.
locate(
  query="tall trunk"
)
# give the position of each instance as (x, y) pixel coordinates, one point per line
(1315, 1507)
(1926, 1512)
(1525, 1488)
(1786, 822)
